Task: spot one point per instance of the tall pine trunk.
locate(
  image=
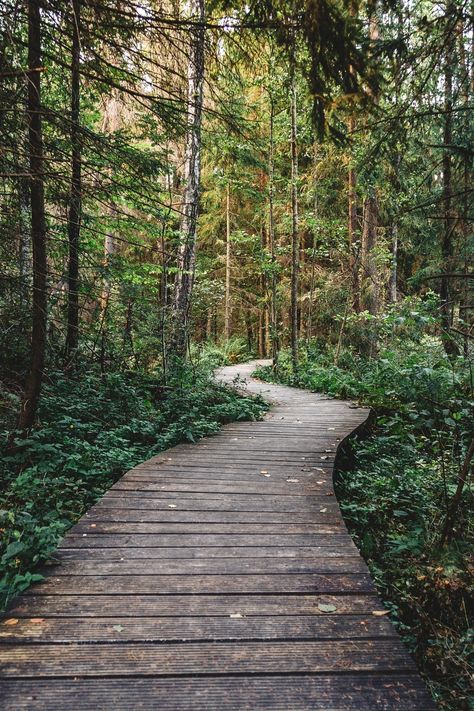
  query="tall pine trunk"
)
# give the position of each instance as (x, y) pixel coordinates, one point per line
(295, 243)
(38, 221)
(192, 177)
(227, 266)
(271, 239)
(370, 284)
(352, 228)
(449, 216)
(75, 207)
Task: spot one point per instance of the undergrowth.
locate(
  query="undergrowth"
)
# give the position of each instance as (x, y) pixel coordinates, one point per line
(395, 494)
(91, 430)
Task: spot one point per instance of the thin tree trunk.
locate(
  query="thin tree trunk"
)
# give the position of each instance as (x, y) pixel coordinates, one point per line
(449, 217)
(192, 176)
(24, 240)
(352, 229)
(309, 321)
(271, 239)
(227, 267)
(295, 244)
(75, 207)
(370, 285)
(111, 123)
(352, 206)
(38, 221)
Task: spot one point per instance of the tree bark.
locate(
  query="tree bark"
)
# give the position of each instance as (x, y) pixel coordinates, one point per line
(352, 227)
(227, 267)
(38, 221)
(192, 176)
(75, 201)
(271, 239)
(449, 217)
(295, 243)
(370, 285)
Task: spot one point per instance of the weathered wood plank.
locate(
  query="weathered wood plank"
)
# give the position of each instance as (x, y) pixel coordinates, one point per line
(331, 583)
(333, 536)
(187, 629)
(257, 693)
(136, 605)
(269, 657)
(216, 566)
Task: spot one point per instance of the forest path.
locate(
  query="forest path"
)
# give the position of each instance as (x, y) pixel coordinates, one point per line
(215, 575)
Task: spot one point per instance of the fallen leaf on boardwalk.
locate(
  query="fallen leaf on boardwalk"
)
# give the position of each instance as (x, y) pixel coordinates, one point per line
(93, 525)
(327, 608)
(118, 628)
(324, 457)
(235, 615)
(320, 482)
(171, 506)
(380, 613)
(322, 510)
(37, 620)
(263, 471)
(293, 481)
(331, 428)
(11, 621)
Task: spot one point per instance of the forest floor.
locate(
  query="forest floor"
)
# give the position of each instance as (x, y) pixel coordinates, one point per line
(395, 492)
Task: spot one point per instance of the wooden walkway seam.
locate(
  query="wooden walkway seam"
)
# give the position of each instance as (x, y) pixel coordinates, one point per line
(217, 575)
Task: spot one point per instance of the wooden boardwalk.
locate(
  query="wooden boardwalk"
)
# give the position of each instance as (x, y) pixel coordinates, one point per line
(215, 576)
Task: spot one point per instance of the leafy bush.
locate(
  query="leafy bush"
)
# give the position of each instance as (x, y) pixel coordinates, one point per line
(91, 430)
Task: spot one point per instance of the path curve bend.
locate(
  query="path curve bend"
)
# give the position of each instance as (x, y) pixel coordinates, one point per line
(215, 576)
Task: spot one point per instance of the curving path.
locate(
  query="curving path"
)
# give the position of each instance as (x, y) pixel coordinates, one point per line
(215, 576)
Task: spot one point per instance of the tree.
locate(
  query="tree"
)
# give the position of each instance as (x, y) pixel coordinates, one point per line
(38, 221)
(192, 175)
(75, 201)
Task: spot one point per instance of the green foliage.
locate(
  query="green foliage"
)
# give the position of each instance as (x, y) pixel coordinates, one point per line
(234, 350)
(92, 429)
(399, 480)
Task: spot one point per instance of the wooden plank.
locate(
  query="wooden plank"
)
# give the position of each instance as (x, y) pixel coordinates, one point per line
(251, 529)
(109, 554)
(108, 513)
(257, 693)
(209, 566)
(151, 500)
(269, 657)
(204, 584)
(136, 540)
(192, 629)
(137, 605)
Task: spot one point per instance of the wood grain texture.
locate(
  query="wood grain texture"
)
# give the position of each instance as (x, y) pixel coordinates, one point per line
(215, 575)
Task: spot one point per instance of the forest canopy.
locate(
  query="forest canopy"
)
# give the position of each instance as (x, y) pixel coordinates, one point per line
(187, 184)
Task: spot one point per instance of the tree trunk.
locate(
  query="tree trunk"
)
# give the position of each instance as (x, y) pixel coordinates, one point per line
(75, 207)
(370, 284)
(38, 221)
(111, 123)
(352, 207)
(227, 267)
(449, 217)
(271, 239)
(295, 245)
(192, 176)
(24, 241)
